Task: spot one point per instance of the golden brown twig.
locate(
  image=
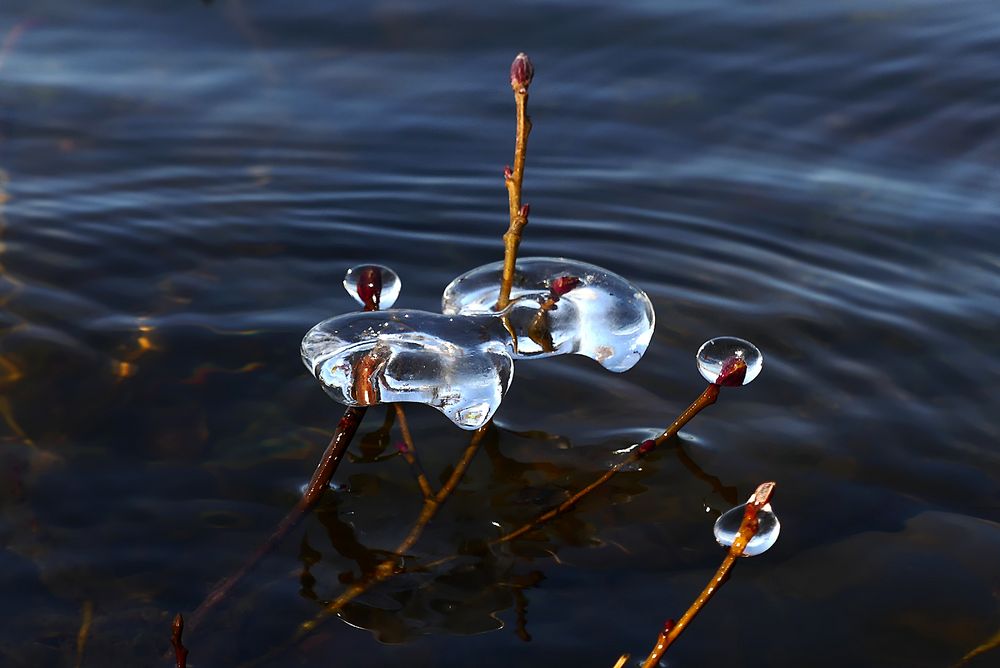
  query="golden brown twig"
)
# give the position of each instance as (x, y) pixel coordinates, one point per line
(521, 73)
(410, 453)
(748, 529)
(707, 398)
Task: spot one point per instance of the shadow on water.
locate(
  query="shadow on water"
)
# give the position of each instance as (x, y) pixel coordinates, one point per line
(182, 186)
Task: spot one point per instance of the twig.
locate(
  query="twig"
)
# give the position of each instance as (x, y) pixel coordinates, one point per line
(748, 529)
(707, 398)
(521, 73)
(180, 651)
(370, 291)
(320, 482)
(992, 643)
(390, 567)
(409, 453)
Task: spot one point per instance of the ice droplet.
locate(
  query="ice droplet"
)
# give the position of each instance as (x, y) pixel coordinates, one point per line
(458, 365)
(728, 525)
(359, 280)
(561, 306)
(729, 361)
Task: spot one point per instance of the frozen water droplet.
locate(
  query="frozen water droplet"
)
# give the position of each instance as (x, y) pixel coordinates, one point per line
(460, 366)
(362, 279)
(562, 306)
(728, 525)
(729, 361)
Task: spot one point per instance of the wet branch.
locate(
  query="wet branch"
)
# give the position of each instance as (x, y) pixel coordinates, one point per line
(409, 453)
(748, 529)
(707, 398)
(180, 651)
(521, 73)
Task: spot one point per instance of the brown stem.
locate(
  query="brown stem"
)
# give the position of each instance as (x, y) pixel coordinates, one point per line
(319, 483)
(410, 453)
(707, 398)
(520, 80)
(748, 529)
(180, 651)
(390, 567)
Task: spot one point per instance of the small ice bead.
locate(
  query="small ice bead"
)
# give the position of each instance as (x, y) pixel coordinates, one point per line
(768, 527)
(729, 361)
(356, 282)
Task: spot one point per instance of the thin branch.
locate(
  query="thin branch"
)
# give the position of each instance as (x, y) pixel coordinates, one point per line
(747, 530)
(707, 398)
(410, 453)
(521, 73)
(319, 483)
(369, 290)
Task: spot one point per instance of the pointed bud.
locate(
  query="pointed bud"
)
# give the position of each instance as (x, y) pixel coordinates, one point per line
(668, 626)
(563, 284)
(733, 372)
(646, 446)
(370, 287)
(402, 447)
(508, 173)
(525, 210)
(521, 72)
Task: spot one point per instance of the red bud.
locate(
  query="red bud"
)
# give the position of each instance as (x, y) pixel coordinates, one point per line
(508, 173)
(525, 210)
(564, 284)
(370, 287)
(402, 447)
(646, 446)
(521, 72)
(733, 372)
(668, 626)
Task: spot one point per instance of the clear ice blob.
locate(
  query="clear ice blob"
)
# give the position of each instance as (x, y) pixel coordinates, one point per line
(728, 525)
(560, 306)
(729, 361)
(361, 280)
(458, 365)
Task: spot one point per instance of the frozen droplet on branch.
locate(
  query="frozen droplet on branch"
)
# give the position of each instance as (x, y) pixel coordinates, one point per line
(373, 281)
(729, 361)
(560, 306)
(768, 527)
(460, 366)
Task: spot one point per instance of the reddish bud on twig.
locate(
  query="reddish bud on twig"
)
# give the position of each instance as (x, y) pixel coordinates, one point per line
(668, 626)
(370, 286)
(733, 372)
(563, 284)
(762, 496)
(521, 72)
(646, 446)
(402, 447)
(525, 210)
(508, 173)
(180, 651)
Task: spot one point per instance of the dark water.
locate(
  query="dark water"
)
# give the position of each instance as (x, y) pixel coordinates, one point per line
(184, 184)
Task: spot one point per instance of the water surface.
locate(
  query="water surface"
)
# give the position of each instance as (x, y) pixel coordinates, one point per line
(183, 185)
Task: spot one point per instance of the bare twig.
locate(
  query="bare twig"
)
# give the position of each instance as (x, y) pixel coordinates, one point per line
(521, 73)
(369, 290)
(747, 530)
(409, 453)
(707, 398)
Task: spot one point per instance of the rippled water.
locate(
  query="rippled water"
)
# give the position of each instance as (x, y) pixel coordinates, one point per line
(184, 184)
